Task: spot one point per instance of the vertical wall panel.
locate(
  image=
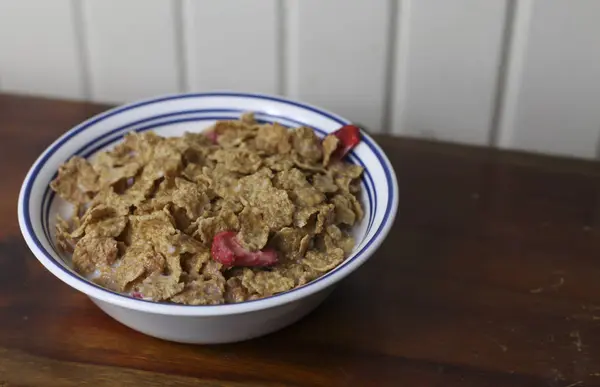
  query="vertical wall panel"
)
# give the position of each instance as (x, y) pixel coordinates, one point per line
(425, 68)
(132, 48)
(446, 77)
(557, 88)
(338, 55)
(38, 48)
(232, 45)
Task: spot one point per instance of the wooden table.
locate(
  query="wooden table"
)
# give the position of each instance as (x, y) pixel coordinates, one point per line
(490, 277)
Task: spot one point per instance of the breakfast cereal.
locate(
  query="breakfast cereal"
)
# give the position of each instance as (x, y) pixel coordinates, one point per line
(240, 212)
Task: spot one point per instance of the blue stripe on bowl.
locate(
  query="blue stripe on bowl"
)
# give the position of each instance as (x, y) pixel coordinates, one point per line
(25, 204)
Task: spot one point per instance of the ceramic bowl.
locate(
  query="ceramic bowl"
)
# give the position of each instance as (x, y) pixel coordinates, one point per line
(173, 115)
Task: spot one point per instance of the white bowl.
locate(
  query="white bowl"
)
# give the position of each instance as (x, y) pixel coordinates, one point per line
(172, 115)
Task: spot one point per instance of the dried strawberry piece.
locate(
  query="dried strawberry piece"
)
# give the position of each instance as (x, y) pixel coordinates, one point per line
(212, 136)
(227, 250)
(349, 136)
(137, 295)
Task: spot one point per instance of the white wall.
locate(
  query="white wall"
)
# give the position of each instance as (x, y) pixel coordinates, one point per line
(521, 74)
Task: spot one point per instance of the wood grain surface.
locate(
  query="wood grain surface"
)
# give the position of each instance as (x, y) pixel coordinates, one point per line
(490, 277)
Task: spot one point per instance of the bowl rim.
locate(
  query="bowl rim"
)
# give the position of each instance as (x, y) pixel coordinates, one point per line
(114, 298)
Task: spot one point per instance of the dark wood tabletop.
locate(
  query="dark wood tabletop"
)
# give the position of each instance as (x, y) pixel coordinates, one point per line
(489, 277)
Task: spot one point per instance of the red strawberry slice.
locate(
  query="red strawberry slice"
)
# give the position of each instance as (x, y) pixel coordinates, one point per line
(212, 136)
(349, 136)
(227, 250)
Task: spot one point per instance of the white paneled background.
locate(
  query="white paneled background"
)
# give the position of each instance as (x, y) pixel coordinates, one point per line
(521, 74)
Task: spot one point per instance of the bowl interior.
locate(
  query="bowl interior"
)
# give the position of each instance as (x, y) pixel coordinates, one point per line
(172, 116)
